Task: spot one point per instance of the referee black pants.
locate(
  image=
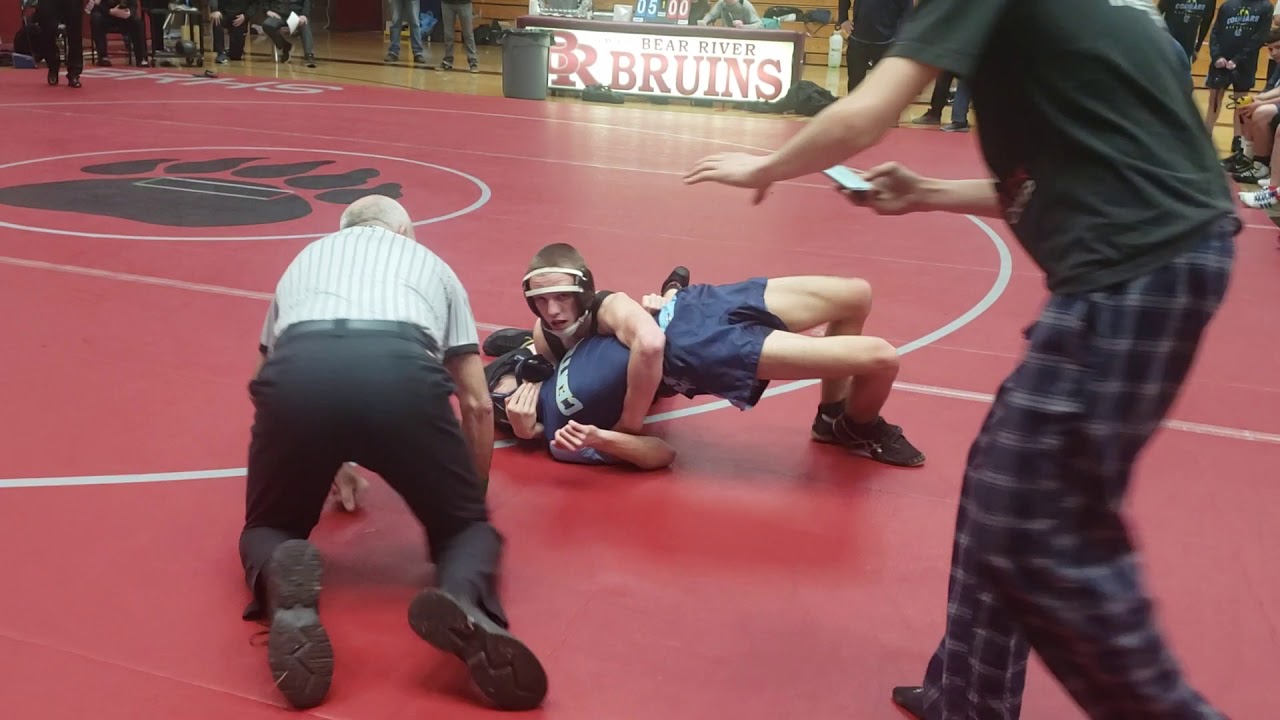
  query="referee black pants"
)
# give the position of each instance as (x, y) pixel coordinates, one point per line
(378, 398)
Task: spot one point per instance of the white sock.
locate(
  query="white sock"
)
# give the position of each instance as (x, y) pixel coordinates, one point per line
(1246, 147)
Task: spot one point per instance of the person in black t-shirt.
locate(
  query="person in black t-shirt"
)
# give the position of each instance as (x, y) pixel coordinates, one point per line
(1234, 45)
(1189, 22)
(870, 26)
(1108, 179)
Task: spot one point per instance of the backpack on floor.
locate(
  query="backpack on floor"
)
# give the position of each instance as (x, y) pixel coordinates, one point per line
(805, 98)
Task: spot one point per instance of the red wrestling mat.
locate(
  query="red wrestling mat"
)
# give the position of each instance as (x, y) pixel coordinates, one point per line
(145, 219)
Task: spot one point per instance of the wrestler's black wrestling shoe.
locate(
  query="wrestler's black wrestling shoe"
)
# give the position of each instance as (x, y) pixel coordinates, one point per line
(501, 342)
(502, 667)
(298, 648)
(877, 440)
(679, 278)
(910, 699)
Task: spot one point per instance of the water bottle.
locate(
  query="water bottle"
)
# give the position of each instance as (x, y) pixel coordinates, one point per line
(835, 48)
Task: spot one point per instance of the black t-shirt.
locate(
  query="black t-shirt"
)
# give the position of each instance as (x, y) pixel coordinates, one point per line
(1103, 164)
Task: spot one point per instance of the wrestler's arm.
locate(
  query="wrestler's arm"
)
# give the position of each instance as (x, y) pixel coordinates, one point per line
(590, 445)
(645, 452)
(623, 317)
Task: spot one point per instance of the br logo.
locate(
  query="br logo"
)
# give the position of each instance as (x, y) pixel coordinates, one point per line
(570, 58)
(204, 193)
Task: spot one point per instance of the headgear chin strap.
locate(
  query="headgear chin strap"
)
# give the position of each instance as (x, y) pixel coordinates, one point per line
(583, 284)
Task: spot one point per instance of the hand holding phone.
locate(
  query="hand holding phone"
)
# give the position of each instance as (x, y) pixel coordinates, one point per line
(848, 179)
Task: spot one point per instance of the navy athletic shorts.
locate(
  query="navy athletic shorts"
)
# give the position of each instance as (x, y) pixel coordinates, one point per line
(714, 337)
(1240, 79)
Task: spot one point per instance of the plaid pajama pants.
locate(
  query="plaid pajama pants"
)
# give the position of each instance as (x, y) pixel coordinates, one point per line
(1041, 556)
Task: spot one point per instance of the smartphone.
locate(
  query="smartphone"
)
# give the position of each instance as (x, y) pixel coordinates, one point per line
(848, 179)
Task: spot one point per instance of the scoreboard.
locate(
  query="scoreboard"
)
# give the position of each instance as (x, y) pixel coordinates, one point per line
(668, 12)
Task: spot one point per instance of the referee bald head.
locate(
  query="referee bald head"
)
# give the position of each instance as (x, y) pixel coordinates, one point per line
(378, 210)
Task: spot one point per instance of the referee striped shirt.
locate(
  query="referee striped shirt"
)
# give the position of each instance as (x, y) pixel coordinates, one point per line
(371, 273)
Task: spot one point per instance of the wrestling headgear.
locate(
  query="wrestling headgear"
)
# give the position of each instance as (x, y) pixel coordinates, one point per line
(582, 283)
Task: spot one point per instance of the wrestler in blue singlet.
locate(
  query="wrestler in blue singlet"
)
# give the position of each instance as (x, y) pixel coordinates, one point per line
(589, 387)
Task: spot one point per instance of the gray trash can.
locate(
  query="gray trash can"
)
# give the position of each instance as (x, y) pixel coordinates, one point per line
(525, 55)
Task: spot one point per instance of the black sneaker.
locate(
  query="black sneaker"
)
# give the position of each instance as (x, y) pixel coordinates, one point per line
(879, 440)
(501, 342)
(298, 648)
(679, 278)
(505, 670)
(928, 118)
(1236, 161)
(911, 699)
(1253, 174)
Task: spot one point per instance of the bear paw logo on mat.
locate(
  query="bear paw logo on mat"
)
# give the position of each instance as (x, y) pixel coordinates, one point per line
(201, 193)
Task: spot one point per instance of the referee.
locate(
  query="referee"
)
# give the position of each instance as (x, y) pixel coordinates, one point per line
(367, 336)
(1103, 171)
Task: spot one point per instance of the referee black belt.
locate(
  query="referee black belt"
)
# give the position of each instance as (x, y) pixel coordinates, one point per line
(393, 327)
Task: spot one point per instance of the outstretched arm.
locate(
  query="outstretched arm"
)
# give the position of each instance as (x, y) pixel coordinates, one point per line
(588, 444)
(623, 317)
(940, 34)
(854, 123)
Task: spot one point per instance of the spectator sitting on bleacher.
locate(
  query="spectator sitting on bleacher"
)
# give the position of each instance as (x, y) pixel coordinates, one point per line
(117, 16)
(156, 32)
(734, 13)
(1254, 126)
(1234, 43)
(1264, 198)
(277, 21)
(232, 16)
